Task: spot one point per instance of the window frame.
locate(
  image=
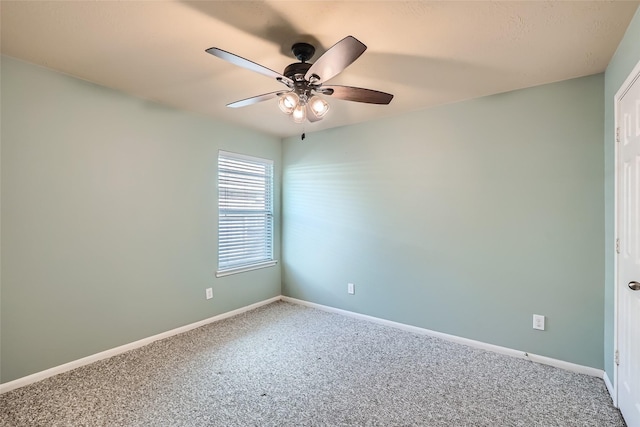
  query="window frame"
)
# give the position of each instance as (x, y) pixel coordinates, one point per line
(268, 212)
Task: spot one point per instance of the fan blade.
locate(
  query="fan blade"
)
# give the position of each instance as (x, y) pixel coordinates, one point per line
(255, 99)
(311, 116)
(249, 65)
(337, 58)
(357, 94)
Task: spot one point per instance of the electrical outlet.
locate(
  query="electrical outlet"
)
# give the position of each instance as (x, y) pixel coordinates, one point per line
(351, 288)
(538, 322)
(209, 293)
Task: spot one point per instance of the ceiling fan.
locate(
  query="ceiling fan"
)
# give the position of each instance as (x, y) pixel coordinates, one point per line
(302, 99)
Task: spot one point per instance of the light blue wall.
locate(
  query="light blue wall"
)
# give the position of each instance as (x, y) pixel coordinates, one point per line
(109, 216)
(620, 66)
(465, 219)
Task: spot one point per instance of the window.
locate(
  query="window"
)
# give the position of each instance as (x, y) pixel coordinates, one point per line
(245, 213)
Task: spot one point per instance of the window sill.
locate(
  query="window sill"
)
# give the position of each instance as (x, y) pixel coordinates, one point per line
(228, 272)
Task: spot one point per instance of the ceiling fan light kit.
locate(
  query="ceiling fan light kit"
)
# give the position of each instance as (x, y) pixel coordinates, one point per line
(306, 81)
(319, 106)
(296, 106)
(288, 101)
(299, 114)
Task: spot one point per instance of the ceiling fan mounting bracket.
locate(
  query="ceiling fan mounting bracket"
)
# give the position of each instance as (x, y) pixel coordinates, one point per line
(303, 51)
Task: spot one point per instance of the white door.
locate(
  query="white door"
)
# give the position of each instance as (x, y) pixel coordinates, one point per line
(628, 123)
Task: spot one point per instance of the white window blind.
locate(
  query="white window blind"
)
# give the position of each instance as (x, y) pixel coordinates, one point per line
(245, 212)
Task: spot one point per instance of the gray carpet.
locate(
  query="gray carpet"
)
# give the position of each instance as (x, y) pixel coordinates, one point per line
(288, 365)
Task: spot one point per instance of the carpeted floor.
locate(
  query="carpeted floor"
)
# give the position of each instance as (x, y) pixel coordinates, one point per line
(288, 365)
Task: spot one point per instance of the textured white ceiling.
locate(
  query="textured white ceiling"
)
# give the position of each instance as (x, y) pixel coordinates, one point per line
(425, 53)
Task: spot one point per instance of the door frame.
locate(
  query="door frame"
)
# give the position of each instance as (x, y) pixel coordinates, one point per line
(628, 82)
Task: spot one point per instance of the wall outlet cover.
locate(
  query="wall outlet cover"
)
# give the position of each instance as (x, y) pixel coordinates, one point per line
(538, 322)
(351, 288)
(209, 293)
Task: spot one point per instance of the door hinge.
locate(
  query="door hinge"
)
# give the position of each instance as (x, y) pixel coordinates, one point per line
(618, 134)
(616, 357)
(618, 246)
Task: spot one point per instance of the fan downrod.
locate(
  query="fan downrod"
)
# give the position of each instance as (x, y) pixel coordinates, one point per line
(303, 51)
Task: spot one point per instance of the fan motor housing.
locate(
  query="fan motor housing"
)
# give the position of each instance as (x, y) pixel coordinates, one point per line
(297, 69)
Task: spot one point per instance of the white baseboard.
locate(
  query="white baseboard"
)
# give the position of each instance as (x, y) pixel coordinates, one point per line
(38, 376)
(472, 343)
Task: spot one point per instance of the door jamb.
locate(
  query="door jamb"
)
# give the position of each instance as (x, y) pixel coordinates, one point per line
(624, 87)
